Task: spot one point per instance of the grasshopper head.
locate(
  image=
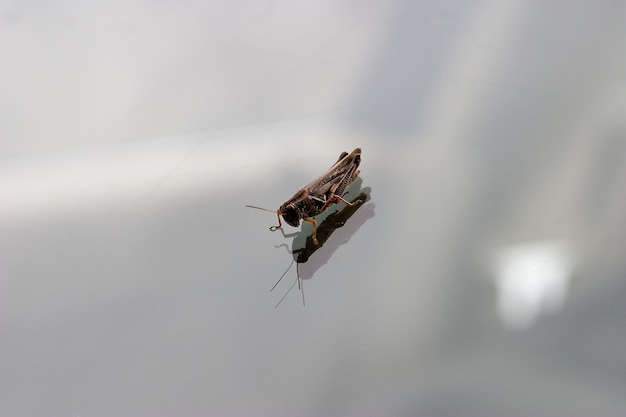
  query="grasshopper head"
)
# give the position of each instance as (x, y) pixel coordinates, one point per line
(290, 214)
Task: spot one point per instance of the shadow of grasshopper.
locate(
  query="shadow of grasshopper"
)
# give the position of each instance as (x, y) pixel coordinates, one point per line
(304, 249)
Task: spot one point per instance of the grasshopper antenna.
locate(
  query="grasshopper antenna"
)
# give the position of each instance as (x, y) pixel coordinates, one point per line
(288, 291)
(301, 285)
(284, 273)
(297, 281)
(277, 212)
(261, 208)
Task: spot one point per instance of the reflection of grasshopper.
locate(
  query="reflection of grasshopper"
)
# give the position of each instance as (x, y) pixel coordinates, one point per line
(320, 193)
(326, 228)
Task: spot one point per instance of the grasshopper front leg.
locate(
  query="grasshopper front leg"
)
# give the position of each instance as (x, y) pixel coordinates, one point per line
(274, 228)
(314, 223)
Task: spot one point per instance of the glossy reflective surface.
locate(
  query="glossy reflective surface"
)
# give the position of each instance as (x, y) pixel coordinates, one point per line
(482, 275)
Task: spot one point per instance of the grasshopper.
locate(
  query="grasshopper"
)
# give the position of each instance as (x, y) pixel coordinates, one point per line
(315, 197)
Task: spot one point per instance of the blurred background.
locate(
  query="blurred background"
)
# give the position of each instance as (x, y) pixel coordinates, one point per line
(484, 276)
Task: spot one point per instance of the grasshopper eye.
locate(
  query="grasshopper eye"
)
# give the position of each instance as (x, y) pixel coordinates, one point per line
(291, 216)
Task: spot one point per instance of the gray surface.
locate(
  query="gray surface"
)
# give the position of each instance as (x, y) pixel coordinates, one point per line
(485, 276)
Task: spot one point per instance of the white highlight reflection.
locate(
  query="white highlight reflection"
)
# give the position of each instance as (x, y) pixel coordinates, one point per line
(531, 279)
(85, 179)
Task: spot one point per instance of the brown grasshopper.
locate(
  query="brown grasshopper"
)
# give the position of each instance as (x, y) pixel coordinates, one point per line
(319, 194)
